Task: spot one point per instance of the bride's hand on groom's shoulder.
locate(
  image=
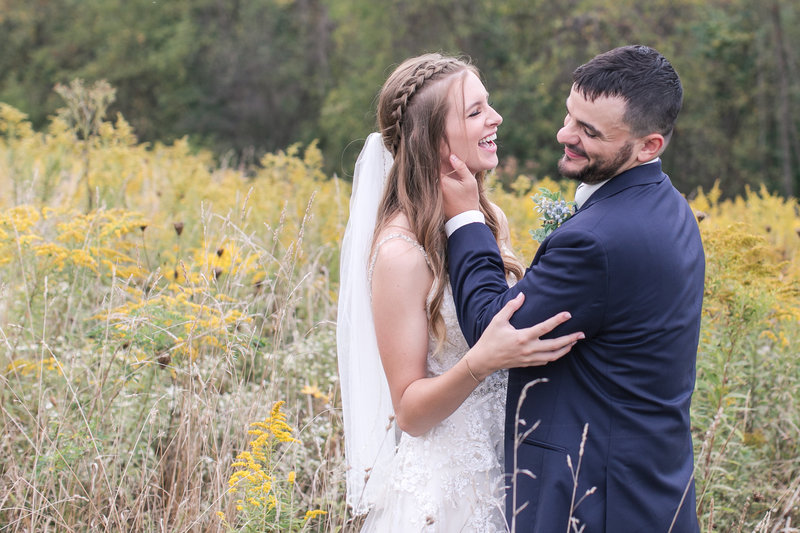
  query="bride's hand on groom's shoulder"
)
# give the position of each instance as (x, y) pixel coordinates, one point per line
(504, 346)
(459, 188)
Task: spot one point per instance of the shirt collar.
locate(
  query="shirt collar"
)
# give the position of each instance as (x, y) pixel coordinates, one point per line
(585, 191)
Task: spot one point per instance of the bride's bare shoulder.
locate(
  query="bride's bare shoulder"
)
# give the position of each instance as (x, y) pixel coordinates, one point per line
(397, 223)
(398, 250)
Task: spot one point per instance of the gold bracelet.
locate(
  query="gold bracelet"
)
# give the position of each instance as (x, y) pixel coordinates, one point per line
(466, 362)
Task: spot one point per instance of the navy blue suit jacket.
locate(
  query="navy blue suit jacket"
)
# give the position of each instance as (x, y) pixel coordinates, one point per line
(629, 267)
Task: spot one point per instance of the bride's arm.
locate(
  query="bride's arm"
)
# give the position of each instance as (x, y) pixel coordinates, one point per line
(400, 284)
(401, 280)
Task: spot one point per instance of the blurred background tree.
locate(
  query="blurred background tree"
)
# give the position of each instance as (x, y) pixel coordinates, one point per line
(243, 78)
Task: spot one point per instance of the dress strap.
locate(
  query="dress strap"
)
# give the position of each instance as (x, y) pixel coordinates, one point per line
(389, 237)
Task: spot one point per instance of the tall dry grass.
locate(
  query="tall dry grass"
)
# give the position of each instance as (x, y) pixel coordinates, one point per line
(145, 328)
(155, 304)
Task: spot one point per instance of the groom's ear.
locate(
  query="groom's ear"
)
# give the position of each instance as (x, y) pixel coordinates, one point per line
(651, 147)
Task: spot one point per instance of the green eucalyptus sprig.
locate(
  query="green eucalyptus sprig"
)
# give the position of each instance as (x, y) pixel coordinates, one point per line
(554, 211)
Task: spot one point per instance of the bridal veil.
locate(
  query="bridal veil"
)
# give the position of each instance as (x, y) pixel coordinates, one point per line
(367, 405)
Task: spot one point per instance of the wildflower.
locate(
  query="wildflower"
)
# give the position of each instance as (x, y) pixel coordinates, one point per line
(272, 501)
(313, 390)
(276, 425)
(255, 479)
(313, 514)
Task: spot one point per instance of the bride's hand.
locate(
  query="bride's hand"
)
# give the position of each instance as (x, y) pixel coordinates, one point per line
(504, 346)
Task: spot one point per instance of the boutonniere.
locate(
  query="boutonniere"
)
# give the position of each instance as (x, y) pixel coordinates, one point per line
(554, 211)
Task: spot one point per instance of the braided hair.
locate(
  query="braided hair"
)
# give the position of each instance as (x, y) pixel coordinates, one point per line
(412, 112)
(391, 125)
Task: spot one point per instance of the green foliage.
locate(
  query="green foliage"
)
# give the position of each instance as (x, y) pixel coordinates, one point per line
(747, 377)
(232, 75)
(245, 78)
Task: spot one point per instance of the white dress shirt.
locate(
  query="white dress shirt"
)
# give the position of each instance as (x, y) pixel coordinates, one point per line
(585, 191)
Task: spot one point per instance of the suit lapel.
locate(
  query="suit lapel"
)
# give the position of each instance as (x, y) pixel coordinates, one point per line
(641, 175)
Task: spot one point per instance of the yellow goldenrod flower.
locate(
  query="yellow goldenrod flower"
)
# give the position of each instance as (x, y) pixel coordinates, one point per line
(313, 514)
(254, 470)
(313, 390)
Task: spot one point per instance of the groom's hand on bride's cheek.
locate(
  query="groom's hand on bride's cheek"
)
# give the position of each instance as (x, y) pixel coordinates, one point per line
(459, 189)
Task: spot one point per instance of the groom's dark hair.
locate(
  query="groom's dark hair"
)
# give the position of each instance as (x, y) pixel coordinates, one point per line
(643, 78)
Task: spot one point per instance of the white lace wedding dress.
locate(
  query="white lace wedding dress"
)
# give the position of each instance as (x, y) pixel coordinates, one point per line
(451, 478)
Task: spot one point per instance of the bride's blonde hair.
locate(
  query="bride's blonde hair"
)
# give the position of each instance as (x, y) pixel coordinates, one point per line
(412, 111)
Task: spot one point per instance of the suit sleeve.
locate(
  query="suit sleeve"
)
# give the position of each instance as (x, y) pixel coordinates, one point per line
(568, 274)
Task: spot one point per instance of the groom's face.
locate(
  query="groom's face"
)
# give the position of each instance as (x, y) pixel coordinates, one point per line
(597, 143)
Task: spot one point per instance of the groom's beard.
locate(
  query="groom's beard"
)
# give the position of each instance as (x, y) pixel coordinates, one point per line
(600, 170)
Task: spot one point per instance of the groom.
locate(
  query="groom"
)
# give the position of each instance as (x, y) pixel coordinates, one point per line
(629, 267)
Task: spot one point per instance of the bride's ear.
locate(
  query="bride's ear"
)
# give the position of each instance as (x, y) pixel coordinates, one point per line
(445, 166)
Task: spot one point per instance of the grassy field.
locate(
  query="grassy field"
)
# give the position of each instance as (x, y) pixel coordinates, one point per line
(167, 339)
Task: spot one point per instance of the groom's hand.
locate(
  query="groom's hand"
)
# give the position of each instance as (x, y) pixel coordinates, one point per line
(459, 189)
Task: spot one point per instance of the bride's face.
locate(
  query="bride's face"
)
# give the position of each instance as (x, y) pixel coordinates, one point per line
(471, 126)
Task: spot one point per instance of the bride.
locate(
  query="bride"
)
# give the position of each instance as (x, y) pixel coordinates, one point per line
(423, 412)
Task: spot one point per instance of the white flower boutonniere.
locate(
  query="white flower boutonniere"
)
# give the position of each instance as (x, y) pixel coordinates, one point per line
(554, 211)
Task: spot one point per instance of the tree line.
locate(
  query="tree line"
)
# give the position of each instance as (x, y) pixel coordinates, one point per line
(244, 77)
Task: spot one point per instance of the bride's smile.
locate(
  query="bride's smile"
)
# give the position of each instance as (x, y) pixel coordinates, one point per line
(471, 126)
